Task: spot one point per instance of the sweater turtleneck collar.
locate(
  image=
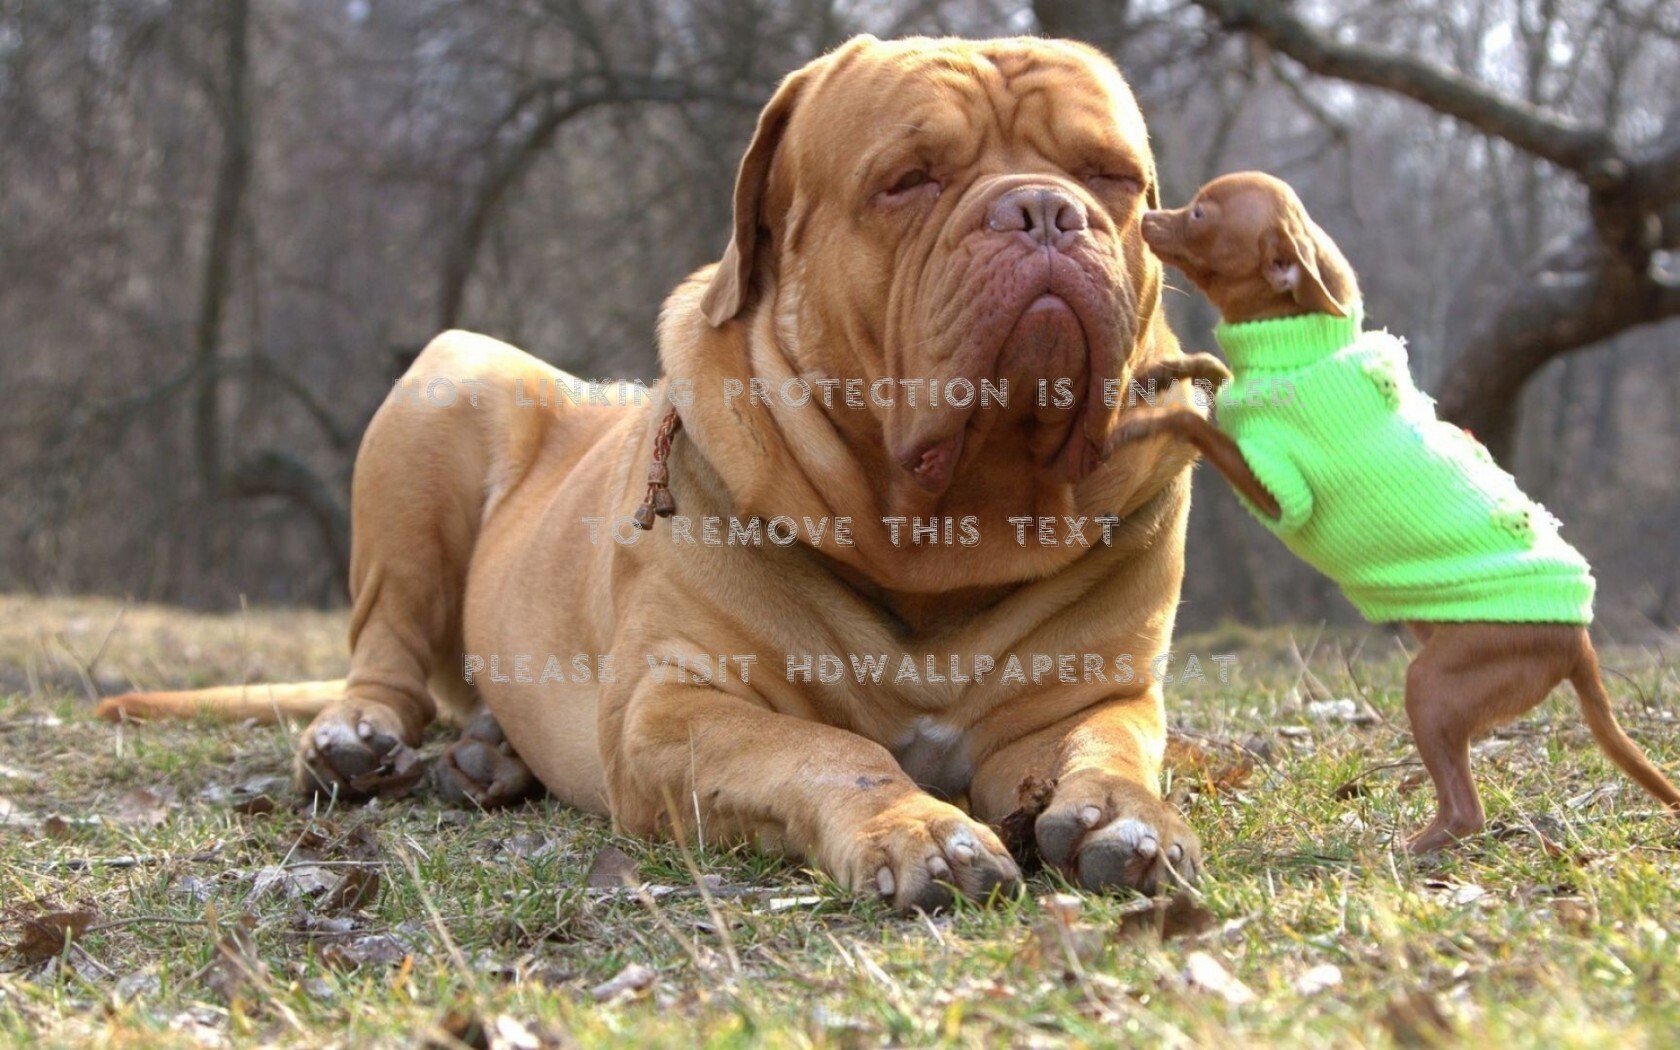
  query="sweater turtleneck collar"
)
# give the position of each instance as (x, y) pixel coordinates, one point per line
(1287, 342)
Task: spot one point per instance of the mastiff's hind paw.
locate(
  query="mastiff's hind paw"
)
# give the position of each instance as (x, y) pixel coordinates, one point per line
(482, 768)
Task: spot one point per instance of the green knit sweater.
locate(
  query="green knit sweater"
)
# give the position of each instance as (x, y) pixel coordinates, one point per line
(1408, 514)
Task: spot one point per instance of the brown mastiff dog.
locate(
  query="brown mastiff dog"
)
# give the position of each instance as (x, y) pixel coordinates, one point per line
(919, 209)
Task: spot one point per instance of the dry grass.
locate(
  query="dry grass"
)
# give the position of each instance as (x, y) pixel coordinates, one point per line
(220, 922)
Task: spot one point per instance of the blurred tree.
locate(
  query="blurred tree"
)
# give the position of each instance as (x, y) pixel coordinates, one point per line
(1601, 279)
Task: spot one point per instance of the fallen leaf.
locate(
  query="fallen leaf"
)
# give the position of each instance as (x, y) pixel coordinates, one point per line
(293, 881)
(1597, 796)
(317, 925)
(14, 816)
(1184, 917)
(1576, 914)
(28, 776)
(502, 1032)
(530, 846)
(1549, 832)
(1350, 789)
(1216, 766)
(377, 949)
(1018, 830)
(1459, 893)
(312, 838)
(201, 1026)
(1205, 973)
(43, 937)
(394, 780)
(358, 888)
(245, 793)
(630, 980)
(462, 1029)
(1060, 939)
(1167, 918)
(1417, 1020)
(612, 869)
(1468, 894)
(1318, 979)
(256, 806)
(361, 843)
(1411, 782)
(137, 984)
(236, 964)
(194, 887)
(1347, 710)
(514, 1034)
(144, 807)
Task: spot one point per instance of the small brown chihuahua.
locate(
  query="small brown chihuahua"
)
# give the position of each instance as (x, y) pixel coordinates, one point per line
(1246, 241)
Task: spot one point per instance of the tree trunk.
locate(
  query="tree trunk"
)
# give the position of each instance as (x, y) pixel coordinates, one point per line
(232, 176)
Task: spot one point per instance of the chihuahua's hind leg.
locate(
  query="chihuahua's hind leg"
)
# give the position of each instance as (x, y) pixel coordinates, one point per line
(1467, 679)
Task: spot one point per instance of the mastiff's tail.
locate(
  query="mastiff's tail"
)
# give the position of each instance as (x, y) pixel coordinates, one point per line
(232, 703)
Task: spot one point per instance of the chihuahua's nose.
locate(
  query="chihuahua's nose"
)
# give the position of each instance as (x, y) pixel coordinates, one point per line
(1047, 215)
(1153, 226)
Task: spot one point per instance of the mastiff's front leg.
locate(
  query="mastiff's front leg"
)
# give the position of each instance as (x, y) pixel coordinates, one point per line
(686, 752)
(1106, 825)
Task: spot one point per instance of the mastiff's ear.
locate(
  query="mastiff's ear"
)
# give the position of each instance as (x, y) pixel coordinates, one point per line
(732, 283)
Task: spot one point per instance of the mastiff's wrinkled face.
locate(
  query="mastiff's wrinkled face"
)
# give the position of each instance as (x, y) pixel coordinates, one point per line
(953, 216)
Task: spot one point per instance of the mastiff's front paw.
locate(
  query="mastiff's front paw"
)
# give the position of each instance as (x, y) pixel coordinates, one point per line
(1106, 832)
(917, 850)
(355, 749)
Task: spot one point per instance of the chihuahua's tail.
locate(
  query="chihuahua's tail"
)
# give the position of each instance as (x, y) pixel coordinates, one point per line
(232, 703)
(1595, 705)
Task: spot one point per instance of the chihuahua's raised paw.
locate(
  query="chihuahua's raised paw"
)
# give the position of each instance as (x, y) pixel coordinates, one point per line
(1201, 369)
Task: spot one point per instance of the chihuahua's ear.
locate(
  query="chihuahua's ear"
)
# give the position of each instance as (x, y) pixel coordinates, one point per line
(1290, 261)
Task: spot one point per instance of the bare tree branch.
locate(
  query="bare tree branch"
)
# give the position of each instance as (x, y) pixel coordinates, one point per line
(1554, 137)
(273, 472)
(562, 102)
(1574, 298)
(1654, 174)
(1099, 22)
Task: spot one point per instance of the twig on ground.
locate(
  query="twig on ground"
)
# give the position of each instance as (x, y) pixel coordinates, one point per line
(148, 860)
(139, 920)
